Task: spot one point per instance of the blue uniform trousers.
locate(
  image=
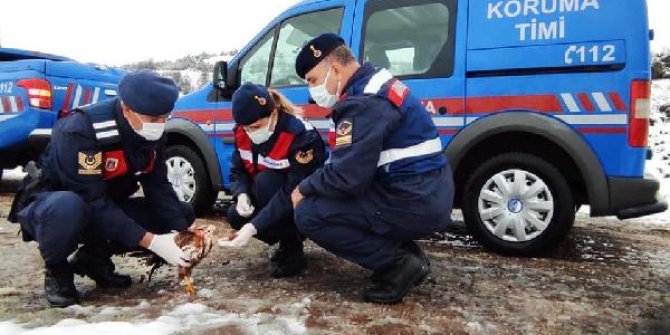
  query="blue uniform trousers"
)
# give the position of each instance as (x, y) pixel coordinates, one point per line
(59, 221)
(372, 238)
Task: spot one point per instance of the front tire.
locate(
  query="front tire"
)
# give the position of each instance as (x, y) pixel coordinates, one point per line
(190, 180)
(518, 204)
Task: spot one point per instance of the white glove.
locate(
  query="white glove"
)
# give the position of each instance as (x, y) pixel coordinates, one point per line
(244, 206)
(239, 239)
(165, 247)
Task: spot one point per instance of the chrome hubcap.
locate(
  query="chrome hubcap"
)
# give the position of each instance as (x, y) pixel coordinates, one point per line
(181, 175)
(516, 205)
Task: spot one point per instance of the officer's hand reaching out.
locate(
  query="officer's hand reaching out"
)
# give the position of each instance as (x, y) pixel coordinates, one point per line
(165, 247)
(244, 207)
(296, 197)
(239, 238)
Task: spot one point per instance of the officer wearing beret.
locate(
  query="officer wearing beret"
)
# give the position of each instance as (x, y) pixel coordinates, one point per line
(387, 182)
(81, 194)
(275, 149)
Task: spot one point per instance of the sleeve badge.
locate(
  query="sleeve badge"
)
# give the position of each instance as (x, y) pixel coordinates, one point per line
(90, 163)
(344, 133)
(304, 157)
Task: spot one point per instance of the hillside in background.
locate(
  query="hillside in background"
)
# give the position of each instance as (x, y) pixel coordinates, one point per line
(189, 72)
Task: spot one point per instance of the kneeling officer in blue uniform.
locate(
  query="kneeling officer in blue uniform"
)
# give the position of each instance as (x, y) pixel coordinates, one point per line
(79, 193)
(275, 149)
(387, 182)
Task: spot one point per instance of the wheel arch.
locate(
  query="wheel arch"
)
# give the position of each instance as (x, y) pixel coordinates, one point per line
(181, 131)
(535, 133)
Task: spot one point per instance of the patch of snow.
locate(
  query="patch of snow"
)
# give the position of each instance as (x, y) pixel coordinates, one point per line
(206, 293)
(186, 317)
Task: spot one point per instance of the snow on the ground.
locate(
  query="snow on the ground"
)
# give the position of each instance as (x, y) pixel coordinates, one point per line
(659, 132)
(189, 316)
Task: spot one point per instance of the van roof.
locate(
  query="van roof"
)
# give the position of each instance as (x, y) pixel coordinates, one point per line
(306, 2)
(9, 54)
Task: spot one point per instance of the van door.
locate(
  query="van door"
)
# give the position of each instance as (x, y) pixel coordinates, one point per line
(269, 60)
(294, 32)
(422, 42)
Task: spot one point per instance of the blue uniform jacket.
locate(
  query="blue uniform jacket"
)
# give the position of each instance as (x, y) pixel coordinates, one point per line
(72, 162)
(387, 155)
(306, 140)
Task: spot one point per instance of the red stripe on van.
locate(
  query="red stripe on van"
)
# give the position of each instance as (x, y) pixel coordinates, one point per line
(19, 103)
(205, 116)
(618, 103)
(6, 105)
(588, 105)
(536, 103)
(68, 97)
(87, 96)
(602, 130)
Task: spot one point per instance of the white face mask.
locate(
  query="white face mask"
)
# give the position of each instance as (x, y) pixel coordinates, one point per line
(321, 95)
(151, 131)
(261, 135)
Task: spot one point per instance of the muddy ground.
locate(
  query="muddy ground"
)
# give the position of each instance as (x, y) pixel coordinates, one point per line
(609, 277)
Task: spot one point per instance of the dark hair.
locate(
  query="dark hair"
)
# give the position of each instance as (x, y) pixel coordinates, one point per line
(342, 55)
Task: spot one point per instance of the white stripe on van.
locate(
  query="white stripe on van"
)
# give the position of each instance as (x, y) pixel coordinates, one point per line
(449, 121)
(7, 117)
(13, 104)
(41, 131)
(570, 102)
(96, 94)
(620, 119)
(602, 102)
(77, 96)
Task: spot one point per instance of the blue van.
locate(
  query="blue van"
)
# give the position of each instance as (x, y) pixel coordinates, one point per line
(543, 105)
(34, 88)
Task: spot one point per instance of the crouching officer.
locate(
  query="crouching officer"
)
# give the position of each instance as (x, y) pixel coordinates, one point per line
(387, 182)
(81, 193)
(275, 150)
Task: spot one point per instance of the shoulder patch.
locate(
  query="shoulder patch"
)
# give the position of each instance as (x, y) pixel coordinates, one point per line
(344, 133)
(304, 157)
(397, 93)
(90, 163)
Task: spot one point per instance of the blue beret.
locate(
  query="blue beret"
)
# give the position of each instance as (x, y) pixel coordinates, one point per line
(314, 51)
(147, 93)
(251, 102)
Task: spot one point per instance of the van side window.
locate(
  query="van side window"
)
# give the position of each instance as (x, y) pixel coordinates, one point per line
(413, 39)
(256, 63)
(293, 34)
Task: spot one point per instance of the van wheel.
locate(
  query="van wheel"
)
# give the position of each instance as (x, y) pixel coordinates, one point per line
(190, 180)
(518, 204)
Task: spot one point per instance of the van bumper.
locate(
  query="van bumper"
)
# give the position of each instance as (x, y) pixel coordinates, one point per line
(633, 198)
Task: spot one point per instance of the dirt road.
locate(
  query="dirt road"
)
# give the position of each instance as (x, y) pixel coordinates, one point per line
(608, 277)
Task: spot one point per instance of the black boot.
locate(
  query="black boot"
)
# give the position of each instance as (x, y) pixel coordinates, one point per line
(414, 248)
(99, 267)
(289, 259)
(407, 271)
(59, 286)
(410, 246)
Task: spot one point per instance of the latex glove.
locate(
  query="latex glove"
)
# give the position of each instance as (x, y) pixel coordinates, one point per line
(239, 239)
(165, 247)
(244, 206)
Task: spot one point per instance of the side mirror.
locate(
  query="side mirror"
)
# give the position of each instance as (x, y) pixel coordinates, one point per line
(220, 77)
